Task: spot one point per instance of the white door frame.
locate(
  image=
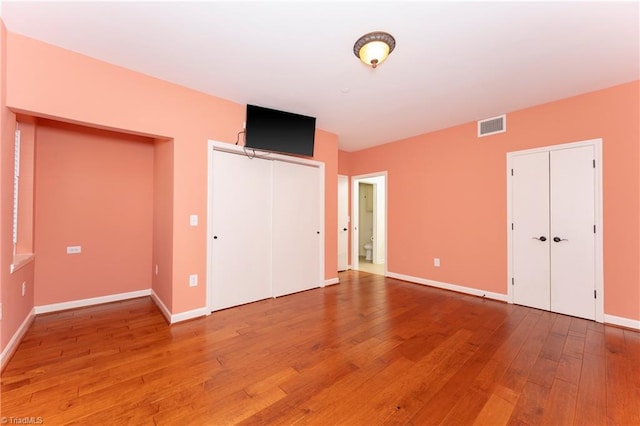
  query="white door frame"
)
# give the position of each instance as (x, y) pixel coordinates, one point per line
(344, 180)
(599, 269)
(355, 218)
(234, 149)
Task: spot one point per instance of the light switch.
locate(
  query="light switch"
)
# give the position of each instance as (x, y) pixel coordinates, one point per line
(193, 220)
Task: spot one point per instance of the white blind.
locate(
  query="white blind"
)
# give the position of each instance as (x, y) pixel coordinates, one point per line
(16, 184)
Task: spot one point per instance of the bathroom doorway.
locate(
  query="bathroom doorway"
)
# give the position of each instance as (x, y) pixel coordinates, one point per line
(369, 216)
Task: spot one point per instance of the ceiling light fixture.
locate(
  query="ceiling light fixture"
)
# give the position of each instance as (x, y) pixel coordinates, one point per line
(373, 48)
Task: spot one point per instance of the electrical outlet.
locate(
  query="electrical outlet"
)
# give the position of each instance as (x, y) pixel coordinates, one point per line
(193, 280)
(24, 288)
(74, 249)
(436, 262)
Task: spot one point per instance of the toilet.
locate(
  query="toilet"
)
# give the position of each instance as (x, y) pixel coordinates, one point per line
(368, 247)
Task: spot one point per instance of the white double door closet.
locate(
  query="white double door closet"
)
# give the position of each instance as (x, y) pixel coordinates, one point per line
(555, 248)
(264, 228)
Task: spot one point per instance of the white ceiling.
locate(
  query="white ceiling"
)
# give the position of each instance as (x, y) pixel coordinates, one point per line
(454, 62)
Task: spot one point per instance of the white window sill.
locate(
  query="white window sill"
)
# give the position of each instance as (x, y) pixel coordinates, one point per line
(20, 260)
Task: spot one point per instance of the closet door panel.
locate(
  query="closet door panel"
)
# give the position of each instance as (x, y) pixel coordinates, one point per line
(296, 226)
(241, 228)
(572, 233)
(530, 214)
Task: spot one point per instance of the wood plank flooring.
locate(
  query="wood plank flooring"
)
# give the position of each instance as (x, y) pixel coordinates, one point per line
(371, 350)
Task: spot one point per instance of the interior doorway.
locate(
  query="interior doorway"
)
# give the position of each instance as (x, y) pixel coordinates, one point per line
(369, 223)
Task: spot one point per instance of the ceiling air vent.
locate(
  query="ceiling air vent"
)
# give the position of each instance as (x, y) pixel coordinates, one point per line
(492, 125)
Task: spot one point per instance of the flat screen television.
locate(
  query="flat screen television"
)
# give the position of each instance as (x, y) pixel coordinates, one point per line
(272, 130)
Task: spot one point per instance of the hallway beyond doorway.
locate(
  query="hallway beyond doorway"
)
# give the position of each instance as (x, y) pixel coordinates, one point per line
(372, 268)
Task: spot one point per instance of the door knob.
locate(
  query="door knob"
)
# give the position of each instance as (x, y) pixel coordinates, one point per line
(558, 239)
(344, 229)
(541, 238)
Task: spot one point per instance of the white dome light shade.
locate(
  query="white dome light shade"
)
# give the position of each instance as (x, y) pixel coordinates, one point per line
(373, 48)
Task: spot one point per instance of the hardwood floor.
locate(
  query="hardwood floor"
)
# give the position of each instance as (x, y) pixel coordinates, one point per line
(371, 350)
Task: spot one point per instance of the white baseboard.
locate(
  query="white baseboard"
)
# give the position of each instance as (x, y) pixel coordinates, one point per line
(91, 301)
(623, 322)
(195, 313)
(182, 316)
(332, 281)
(452, 287)
(608, 319)
(16, 339)
(20, 332)
(171, 318)
(163, 308)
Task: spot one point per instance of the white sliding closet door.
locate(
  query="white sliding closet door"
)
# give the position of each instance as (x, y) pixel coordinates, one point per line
(296, 228)
(241, 229)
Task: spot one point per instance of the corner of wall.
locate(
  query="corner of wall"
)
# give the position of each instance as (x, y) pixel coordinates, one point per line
(162, 258)
(16, 307)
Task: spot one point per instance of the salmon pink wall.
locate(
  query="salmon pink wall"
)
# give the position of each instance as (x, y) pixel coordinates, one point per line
(15, 307)
(326, 150)
(163, 221)
(44, 80)
(344, 169)
(94, 189)
(47, 81)
(447, 193)
(344, 165)
(5, 255)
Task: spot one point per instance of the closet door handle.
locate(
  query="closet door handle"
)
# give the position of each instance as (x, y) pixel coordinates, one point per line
(344, 229)
(558, 239)
(541, 238)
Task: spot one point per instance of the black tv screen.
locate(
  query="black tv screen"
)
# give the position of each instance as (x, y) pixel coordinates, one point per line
(272, 130)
